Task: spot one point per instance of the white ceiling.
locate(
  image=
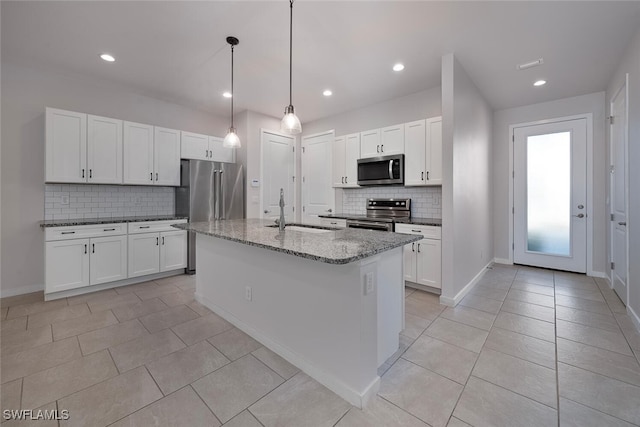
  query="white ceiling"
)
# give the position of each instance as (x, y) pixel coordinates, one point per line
(177, 51)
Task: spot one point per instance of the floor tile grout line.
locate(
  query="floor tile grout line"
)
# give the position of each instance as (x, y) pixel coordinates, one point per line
(591, 326)
(404, 410)
(156, 383)
(515, 392)
(595, 409)
(527, 335)
(601, 348)
(601, 374)
(253, 415)
(190, 385)
(530, 317)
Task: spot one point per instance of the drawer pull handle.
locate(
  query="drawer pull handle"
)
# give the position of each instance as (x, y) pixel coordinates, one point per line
(151, 176)
(417, 231)
(157, 241)
(93, 248)
(85, 249)
(418, 247)
(413, 247)
(68, 232)
(162, 240)
(334, 223)
(145, 226)
(109, 229)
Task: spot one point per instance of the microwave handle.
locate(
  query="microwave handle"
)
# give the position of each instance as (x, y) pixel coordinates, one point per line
(390, 169)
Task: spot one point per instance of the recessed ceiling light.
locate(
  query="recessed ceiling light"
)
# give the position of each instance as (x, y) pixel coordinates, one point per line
(107, 57)
(327, 92)
(227, 95)
(398, 67)
(540, 83)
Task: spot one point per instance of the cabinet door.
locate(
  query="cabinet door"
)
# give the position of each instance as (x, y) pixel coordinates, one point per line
(392, 140)
(410, 262)
(434, 151)
(138, 154)
(144, 254)
(166, 157)
(65, 146)
(218, 153)
(338, 165)
(194, 146)
(429, 264)
(104, 150)
(370, 144)
(108, 259)
(352, 150)
(66, 265)
(415, 141)
(173, 250)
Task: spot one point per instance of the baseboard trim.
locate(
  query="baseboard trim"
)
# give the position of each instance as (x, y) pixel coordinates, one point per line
(334, 384)
(21, 291)
(502, 261)
(634, 317)
(452, 302)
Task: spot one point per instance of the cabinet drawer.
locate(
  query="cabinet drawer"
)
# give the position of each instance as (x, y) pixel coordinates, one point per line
(428, 231)
(84, 231)
(153, 226)
(334, 222)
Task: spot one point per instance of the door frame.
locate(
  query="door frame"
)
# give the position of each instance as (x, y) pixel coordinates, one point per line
(332, 133)
(295, 168)
(589, 119)
(624, 86)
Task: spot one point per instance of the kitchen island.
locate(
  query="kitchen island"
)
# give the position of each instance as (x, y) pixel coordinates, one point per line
(329, 301)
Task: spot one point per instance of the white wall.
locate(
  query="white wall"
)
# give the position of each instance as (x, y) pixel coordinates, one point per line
(502, 119)
(25, 94)
(467, 226)
(631, 64)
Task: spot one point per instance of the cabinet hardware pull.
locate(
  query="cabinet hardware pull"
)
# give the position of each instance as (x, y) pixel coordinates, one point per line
(427, 175)
(145, 226)
(157, 241)
(206, 153)
(90, 173)
(622, 223)
(413, 247)
(162, 240)
(377, 148)
(418, 247)
(93, 248)
(266, 211)
(156, 176)
(417, 231)
(85, 249)
(382, 148)
(68, 232)
(346, 181)
(83, 173)
(109, 229)
(422, 176)
(334, 223)
(151, 177)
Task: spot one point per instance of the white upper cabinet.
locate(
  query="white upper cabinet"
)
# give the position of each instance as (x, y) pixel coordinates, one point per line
(415, 141)
(104, 150)
(66, 146)
(194, 146)
(166, 156)
(138, 154)
(352, 150)
(219, 153)
(370, 144)
(434, 151)
(392, 140)
(339, 161)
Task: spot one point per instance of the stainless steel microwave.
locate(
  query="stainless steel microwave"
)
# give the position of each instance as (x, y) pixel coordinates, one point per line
(381, 170)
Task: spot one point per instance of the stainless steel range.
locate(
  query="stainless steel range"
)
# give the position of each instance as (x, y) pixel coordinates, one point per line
(381, 214)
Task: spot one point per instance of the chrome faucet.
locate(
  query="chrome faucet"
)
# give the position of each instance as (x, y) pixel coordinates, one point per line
(281, 222)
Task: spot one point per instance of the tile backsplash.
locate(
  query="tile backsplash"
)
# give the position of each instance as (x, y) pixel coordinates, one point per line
(426, 202)
(73, 201)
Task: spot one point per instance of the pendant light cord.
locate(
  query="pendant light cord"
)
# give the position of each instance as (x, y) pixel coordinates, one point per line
(232, 94)
(291, 52)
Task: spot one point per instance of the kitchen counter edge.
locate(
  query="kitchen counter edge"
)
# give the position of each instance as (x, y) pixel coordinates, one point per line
(115, 220)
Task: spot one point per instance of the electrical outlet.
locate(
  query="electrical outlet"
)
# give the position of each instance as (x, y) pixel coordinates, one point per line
(65, 200)
(369, 285)
(137, 200)
(247, 293)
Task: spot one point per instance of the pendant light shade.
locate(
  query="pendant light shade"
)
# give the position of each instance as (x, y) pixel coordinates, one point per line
(290, 122)
(232, 140)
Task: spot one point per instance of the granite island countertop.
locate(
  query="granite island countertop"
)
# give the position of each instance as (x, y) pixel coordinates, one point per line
(111, 220)
(336, 246)
(436, 222)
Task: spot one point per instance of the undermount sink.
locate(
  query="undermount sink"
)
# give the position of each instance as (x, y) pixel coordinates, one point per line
(304, 228)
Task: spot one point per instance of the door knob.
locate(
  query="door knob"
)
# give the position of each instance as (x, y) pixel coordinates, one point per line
(580, 206)
(579, 216)
(266, 211)
(622, 223)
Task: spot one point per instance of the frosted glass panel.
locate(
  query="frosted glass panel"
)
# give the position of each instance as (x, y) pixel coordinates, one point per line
(549, 193)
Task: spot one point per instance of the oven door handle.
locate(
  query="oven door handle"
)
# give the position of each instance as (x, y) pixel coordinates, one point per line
(369, 225)
(390, 169)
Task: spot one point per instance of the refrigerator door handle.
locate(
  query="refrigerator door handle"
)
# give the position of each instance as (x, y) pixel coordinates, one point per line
(221, 195)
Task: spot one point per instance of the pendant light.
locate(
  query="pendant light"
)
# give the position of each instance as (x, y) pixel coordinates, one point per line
(232, 140)
(290, 122)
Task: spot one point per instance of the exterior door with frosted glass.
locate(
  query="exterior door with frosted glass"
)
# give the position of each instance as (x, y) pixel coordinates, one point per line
(550, 195)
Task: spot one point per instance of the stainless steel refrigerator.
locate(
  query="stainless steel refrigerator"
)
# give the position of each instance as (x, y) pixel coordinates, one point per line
(209, 191)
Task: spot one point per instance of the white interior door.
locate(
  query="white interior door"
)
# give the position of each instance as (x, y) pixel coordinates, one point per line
(550, 195)
(278, 172)
(318, 195)
(619, 194)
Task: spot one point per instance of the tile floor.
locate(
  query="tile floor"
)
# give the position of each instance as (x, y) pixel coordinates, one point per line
(527, 347)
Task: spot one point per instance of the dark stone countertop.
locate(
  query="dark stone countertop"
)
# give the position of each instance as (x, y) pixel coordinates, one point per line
(112, 220)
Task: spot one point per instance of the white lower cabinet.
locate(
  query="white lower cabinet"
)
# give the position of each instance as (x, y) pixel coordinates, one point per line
(144, 254)
(108, 259)
(66, 265)
(173, 250)
(423, 259)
